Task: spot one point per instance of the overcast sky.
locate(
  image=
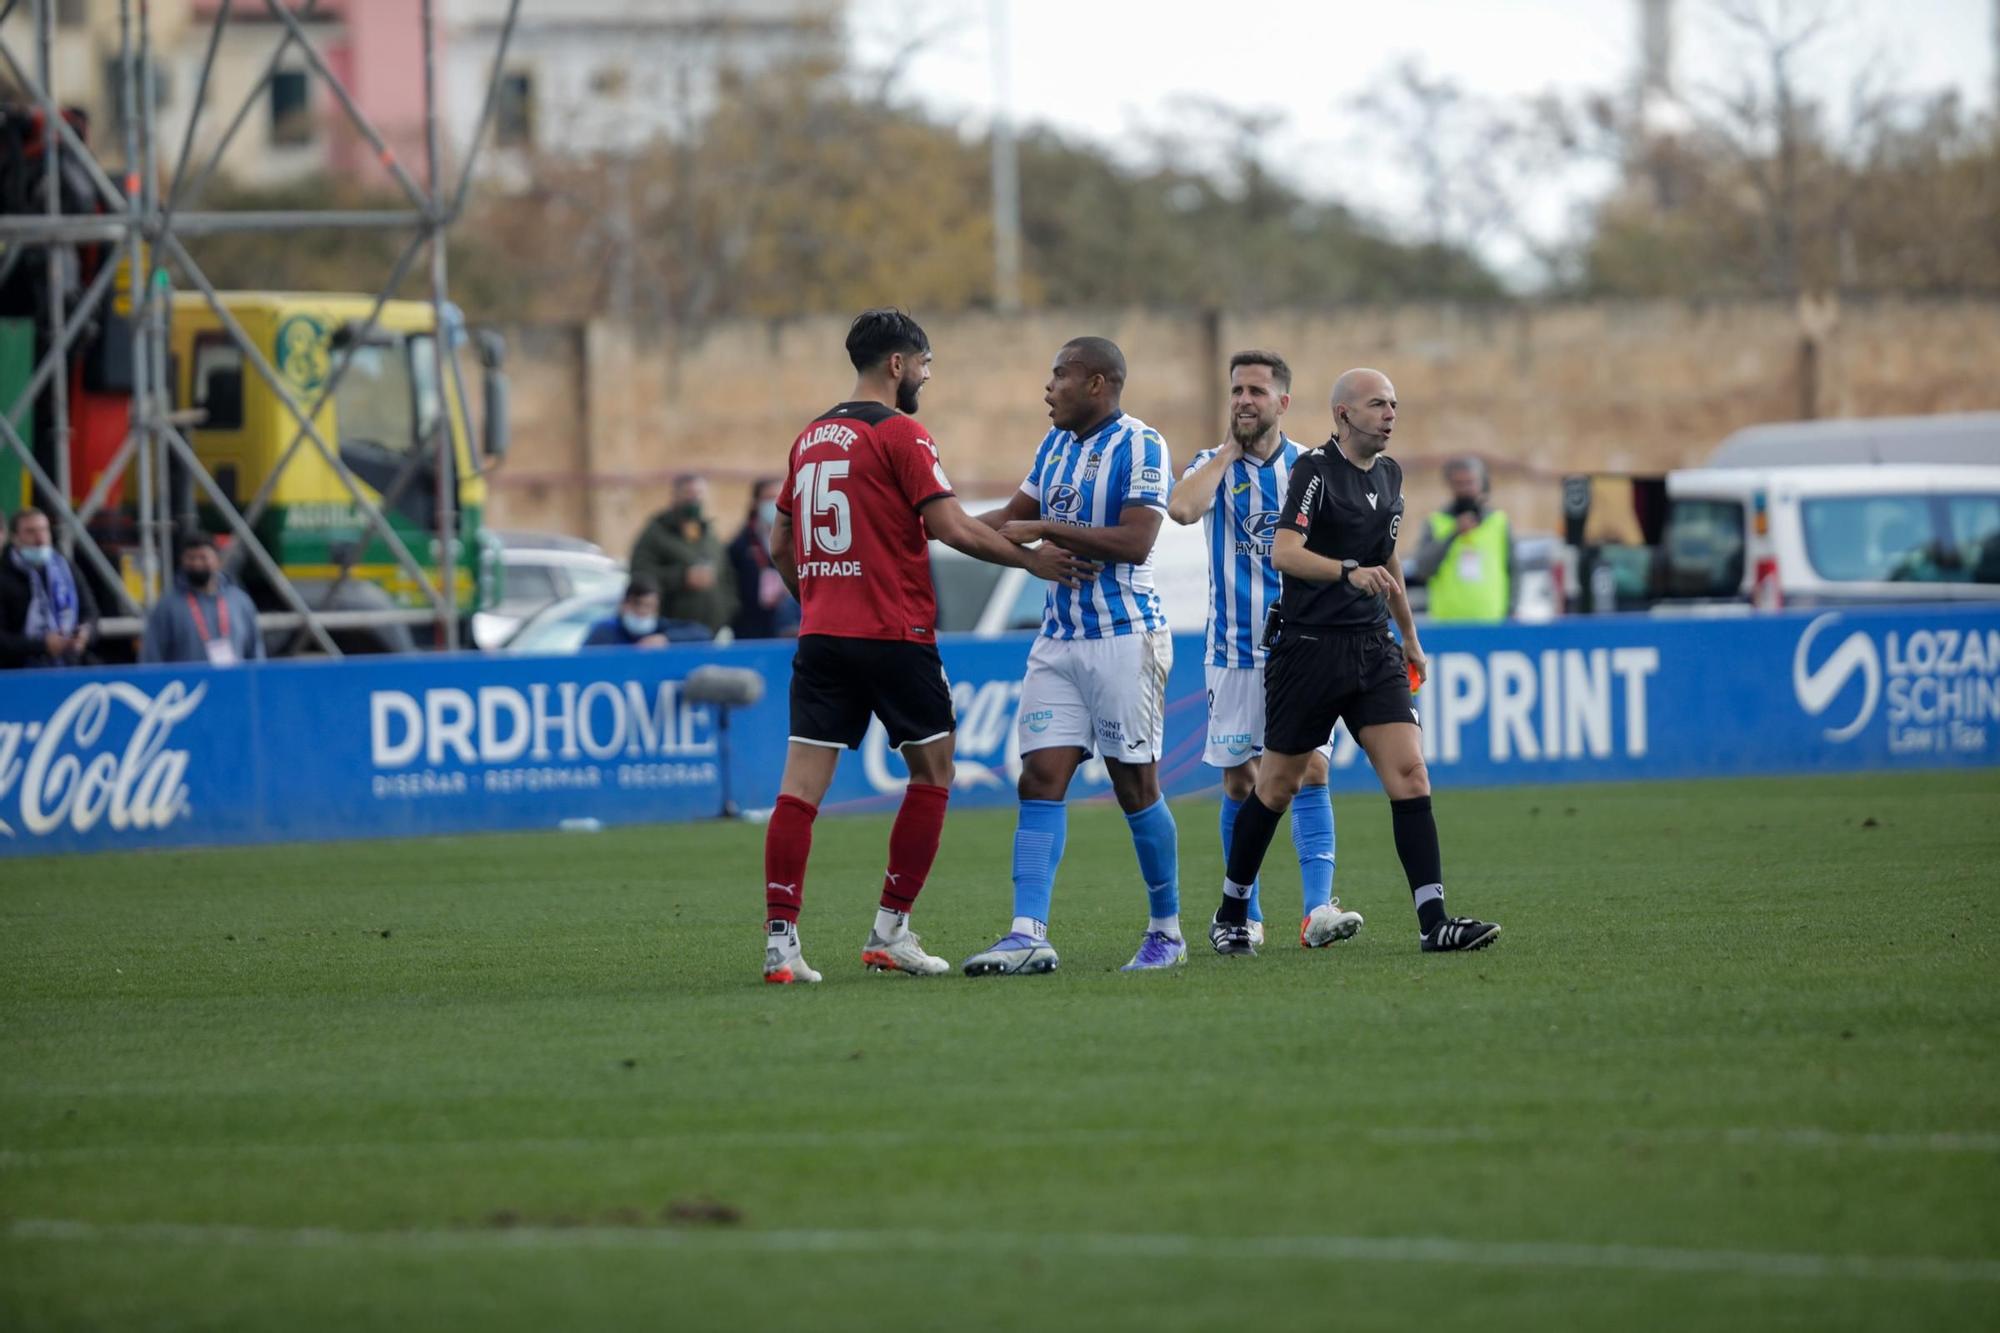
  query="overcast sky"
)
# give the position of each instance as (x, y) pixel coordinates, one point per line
(1102, 68)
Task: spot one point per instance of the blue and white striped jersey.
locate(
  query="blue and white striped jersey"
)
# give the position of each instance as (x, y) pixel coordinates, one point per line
(1087, 482)
(1242, 583)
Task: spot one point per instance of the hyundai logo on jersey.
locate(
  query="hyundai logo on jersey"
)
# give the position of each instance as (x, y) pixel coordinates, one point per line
(1065, 502)
(1260, 528)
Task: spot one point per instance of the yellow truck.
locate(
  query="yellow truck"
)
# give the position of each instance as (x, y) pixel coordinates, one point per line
(381, 422)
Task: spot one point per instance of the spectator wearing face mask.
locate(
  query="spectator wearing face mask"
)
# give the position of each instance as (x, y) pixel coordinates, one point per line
(206, 617)
(637, 624)
(679, 553)
(47, 614)
(767, 610)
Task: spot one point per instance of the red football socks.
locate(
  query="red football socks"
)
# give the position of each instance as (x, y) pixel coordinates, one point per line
(913, 845)
(788, 841)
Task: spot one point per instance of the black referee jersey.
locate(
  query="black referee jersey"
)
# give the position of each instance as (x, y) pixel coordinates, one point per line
(1346, 513)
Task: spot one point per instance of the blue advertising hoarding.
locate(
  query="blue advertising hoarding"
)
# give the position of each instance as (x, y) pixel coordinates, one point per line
(281, 751)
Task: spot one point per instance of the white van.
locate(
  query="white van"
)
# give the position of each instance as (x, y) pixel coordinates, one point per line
(1839, 512)
(977, 598)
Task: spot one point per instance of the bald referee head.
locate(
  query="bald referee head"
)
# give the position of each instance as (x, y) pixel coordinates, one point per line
(1364, 412)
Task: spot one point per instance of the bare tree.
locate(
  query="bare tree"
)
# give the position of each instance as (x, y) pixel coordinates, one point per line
(1782, 174)
(1761, 120)
(1490, 172)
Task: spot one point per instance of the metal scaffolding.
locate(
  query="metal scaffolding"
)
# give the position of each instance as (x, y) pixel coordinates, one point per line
(146, 224)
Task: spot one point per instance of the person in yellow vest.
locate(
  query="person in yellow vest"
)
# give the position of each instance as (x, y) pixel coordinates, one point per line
(1467, 556)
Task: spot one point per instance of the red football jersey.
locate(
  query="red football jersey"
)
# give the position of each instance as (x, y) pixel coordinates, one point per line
(856, 478)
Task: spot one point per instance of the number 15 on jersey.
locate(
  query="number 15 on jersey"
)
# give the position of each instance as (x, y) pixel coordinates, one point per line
(813, 490)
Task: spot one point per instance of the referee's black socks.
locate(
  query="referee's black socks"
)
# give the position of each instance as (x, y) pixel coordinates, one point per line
(1417, 848)
(1255, 823)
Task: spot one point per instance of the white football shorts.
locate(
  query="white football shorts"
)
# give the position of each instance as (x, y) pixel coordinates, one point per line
(1236, 716)
(1106, 696)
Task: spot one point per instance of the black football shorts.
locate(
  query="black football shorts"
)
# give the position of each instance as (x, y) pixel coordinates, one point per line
(838, 683)
(1315, 677)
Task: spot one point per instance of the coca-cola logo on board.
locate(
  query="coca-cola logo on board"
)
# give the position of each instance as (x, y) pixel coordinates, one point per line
(70, 772)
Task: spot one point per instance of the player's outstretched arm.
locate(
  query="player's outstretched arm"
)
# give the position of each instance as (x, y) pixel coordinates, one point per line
(949, 523)
(1194, 494)
(1021, 506)
(1127, 542)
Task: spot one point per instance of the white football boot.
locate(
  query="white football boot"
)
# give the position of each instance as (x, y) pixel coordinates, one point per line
(1328, 924)
(783, 961)
(900, 950)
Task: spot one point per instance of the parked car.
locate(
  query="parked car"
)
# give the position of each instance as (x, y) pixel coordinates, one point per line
(1822, 535)
(1892, 509)
(560, 627)
(538, 570)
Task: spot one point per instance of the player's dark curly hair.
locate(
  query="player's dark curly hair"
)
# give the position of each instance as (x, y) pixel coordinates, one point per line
(876, 335)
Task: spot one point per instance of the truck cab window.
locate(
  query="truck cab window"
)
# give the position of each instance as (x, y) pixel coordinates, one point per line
(428, 387)
(375, 406)
(218, 382)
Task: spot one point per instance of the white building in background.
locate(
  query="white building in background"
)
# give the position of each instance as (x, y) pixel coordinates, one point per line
(609, 76)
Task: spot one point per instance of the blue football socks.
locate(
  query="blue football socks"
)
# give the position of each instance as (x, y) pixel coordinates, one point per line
(1038, 850)
(1312, 835)
(1157, 842)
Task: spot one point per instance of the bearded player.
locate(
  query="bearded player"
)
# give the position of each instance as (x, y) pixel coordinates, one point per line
(1235, 491)
(864, 492)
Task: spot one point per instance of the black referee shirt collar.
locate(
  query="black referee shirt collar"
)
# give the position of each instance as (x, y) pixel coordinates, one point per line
(1333, 446)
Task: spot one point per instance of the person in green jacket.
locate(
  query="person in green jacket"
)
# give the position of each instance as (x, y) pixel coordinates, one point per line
(1466, 560)
(679, 553)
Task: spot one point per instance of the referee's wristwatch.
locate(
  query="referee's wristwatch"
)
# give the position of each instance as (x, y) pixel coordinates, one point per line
(1348, 567)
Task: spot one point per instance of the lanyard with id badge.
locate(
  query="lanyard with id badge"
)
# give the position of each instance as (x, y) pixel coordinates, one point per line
(221, 649)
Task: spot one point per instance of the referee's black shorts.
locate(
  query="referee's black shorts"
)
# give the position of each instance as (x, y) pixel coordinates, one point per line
(1315, 677)
(837, 683)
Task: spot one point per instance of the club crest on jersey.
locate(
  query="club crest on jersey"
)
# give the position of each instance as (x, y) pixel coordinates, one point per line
(1065, 502)
(1259, 529)
(1091, 466)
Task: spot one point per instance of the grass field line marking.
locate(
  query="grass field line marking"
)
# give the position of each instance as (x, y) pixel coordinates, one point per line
(1801, 1138)
(1090, 1244)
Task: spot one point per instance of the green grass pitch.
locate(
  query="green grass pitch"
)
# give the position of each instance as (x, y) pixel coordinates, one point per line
(1732, 1065)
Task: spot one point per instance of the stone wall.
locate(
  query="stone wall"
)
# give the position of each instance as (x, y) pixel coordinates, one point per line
(605, 417)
